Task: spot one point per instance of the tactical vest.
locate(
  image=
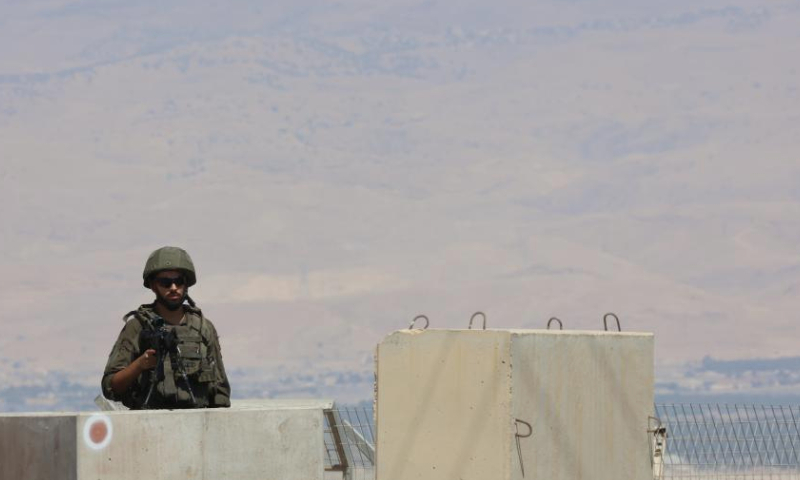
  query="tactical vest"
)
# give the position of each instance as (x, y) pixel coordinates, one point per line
(187, 373)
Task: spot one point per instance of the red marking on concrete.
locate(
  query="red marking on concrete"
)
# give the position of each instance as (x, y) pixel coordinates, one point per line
(98, 431)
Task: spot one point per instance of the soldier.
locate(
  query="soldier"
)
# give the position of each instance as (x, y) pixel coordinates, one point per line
(167, 354)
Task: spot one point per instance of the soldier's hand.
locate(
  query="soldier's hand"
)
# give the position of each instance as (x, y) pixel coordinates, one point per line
(147, 361)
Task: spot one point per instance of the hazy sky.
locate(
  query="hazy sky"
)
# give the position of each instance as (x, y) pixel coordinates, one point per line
(337, 168)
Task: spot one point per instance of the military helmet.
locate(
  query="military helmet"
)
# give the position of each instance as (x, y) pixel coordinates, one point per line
(169, 258)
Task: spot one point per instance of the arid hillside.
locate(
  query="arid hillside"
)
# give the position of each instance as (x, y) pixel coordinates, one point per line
(337, 168)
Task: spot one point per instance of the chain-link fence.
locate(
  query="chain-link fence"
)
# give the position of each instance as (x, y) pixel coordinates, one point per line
(721, 442)
(688, 442)
(349, 444)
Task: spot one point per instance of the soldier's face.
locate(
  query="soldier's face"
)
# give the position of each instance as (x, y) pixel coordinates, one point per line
(170, 288)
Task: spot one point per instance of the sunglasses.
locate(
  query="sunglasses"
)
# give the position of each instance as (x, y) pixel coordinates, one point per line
(166, 282)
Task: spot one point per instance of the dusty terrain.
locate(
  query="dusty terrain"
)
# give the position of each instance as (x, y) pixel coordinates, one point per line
(336, 169)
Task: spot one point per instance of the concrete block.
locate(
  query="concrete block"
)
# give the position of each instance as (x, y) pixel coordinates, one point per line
(256, 440)
(289, 446)
(158, 445)
(38, 446)
(455, 404)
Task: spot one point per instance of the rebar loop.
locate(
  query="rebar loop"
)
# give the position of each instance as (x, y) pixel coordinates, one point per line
(517, 421)
(473, 318)
(418, 317)
(605, 321)
(517, 436)
(560, 325)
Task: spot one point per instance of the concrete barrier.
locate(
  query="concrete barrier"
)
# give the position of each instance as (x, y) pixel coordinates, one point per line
(513, 404)
(264, 440)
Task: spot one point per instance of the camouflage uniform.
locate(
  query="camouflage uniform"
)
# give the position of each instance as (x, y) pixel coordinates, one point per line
(198, 360)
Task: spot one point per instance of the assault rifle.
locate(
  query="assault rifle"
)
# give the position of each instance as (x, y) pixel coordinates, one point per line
(164, 341)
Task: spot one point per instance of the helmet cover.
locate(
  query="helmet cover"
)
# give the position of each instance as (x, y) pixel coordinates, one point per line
(169, 258)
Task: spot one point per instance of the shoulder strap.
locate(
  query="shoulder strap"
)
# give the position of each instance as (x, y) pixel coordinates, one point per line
(140, 314)
(197, 321)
